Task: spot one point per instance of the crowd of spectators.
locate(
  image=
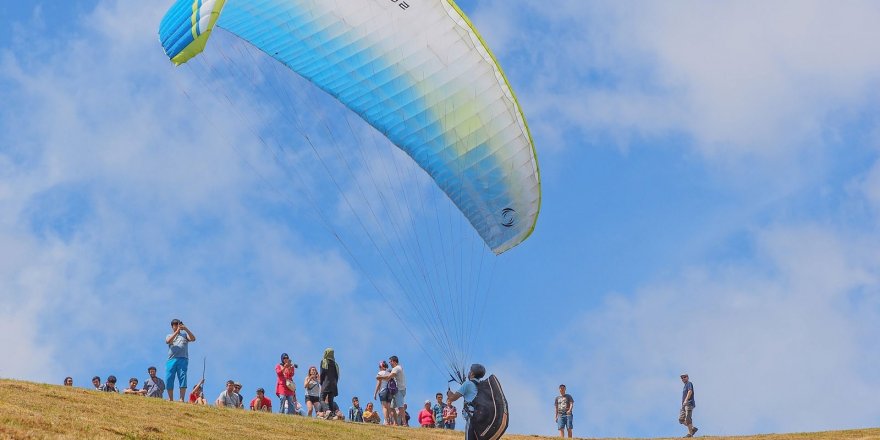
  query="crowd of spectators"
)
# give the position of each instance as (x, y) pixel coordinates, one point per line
(319, 384)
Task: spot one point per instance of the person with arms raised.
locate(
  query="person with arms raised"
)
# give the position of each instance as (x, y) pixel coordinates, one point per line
(178, 357)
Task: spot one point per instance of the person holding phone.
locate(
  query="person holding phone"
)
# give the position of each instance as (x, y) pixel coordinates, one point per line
(285, 388)
(312, 384)
(178, 357)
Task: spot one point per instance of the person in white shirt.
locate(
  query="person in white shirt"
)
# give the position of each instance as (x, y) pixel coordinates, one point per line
(381, 392)
(398, 399)
(228, 398)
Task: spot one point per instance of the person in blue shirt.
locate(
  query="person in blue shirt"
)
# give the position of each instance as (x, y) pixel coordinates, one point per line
(438, 411)
(355, 413)
(688, 403)
(468, 391)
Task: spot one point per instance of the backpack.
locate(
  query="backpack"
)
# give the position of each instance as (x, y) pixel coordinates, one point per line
(392, 386)
(488, 411)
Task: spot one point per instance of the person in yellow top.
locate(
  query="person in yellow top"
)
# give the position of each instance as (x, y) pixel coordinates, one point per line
(370, 415)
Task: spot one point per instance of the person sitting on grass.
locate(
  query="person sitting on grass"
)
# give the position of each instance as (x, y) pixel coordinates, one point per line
(110, 386)
(198, 391)
(370, 415)
(200, 399)
(261, 402)
(153, 386)
(237, 389)
(68, 381)
(133, 388)
(426, 416)
(96, 382)
(329, 411)
(405, 415)
(228, 398)
(355, 413)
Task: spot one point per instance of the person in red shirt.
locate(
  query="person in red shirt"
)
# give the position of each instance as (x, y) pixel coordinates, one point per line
(284, 386)
(426, 416)
(261, 402)
(197, 393)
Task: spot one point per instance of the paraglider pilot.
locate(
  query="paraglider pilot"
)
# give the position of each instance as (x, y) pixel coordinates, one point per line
(468, 390)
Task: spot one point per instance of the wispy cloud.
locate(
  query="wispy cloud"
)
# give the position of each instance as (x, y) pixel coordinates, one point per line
(737, 80)
(119, 211)
(786, 334)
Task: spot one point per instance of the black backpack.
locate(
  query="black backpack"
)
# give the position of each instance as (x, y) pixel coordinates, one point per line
(488, 411)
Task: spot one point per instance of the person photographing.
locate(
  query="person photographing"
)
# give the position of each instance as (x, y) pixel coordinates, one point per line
(178, 357)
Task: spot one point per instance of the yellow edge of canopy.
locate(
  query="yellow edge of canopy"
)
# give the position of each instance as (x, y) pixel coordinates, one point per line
(518, 108)
(200, 41)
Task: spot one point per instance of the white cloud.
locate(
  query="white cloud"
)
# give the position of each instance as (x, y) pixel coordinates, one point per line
(163, 221)
(741, 80)
(776, 345)
(120, 209)
(118, 212)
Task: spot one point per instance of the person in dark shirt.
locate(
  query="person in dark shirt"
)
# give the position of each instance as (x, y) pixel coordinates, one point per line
(563, 405)
(688, 403)
(329, 377)
(237, 389)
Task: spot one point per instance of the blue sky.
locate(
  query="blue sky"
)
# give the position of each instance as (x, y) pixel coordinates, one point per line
(711, 201)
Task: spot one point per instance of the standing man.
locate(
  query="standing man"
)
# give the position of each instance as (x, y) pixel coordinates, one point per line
(687, 406)
(154, 386)
(438, 410)
(398, 399)
(468, 390)
(562, 407)
(178, 357)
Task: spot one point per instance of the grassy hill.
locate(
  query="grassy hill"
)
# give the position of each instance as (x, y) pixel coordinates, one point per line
(29, 410)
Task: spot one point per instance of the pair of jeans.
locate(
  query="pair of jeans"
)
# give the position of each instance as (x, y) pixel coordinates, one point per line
(291, 405)
(564, 421)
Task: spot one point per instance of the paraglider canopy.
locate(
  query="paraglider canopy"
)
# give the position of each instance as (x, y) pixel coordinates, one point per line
(422, 76)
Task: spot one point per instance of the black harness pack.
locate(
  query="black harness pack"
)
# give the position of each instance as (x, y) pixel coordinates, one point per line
(488, 411)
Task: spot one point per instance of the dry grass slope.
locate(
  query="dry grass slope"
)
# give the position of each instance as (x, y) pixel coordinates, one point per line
(34, 411)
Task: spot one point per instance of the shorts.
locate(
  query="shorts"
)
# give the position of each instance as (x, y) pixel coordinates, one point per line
(178, 367)
(686, 416)
(313, 399)
(383, 396)
(564, 421)
(397, 400)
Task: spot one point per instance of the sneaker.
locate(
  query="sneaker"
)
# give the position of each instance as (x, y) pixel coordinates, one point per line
(688, 436)
(695, 430)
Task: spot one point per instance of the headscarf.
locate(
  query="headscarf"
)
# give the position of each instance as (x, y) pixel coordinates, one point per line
(328, 356)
